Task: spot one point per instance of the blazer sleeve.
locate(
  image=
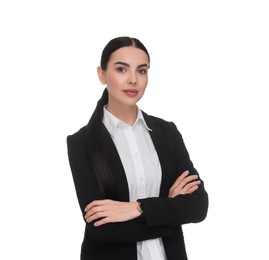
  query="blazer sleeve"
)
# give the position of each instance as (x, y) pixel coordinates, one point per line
(87, 190)
(182, 209)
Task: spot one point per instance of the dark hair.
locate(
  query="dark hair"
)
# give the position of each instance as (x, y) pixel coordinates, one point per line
(118, 43)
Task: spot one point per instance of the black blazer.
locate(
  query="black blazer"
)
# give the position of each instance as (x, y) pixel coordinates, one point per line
(98, 174)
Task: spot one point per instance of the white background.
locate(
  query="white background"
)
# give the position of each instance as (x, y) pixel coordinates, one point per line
(209, 74)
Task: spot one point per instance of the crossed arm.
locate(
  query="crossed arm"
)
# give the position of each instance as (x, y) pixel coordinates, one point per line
(110, 211)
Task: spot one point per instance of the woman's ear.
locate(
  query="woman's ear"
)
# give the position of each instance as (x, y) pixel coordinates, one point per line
(101, 75)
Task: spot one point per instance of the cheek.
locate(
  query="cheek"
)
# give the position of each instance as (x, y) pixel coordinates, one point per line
(113, 80)
(144, 81)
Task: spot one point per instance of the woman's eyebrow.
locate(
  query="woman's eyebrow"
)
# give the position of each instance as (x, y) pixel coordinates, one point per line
(128, 65)
(143, 65)
(122, 63)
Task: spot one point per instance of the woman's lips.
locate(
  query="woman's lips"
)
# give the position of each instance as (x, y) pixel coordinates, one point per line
(130, 92)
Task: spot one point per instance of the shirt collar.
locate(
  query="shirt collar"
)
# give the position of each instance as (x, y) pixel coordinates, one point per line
(111, 122)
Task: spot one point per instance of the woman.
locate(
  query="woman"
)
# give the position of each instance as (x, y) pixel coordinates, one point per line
(135, 182)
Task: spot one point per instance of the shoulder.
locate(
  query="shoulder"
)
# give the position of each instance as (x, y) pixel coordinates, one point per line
(88, 136)
(154, 121)
(77, 137)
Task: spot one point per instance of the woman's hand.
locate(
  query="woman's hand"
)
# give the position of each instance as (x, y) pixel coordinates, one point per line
(108, 211)
(184, 184)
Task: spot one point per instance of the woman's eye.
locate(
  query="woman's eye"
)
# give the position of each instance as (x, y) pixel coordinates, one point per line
(121, 69)
(143, 71)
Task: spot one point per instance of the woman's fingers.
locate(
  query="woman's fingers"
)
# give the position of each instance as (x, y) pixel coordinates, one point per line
(180, 178)
(183, 180)
(94, 204)
(188, 181)
(107, 211)
(184, 184)
(96, 209)
(190, 186)
(191, 190)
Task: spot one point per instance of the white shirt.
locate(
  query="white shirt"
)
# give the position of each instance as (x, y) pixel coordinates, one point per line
(142, 169)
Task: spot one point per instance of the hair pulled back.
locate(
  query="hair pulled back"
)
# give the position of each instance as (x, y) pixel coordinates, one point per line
(118, 43)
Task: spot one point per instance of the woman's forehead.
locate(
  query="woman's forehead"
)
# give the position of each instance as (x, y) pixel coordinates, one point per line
(129, 55)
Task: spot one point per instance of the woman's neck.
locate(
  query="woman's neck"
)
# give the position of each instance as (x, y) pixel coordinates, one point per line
(127, 114)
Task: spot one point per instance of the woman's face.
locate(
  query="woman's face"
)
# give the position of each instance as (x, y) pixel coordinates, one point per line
(126, 76)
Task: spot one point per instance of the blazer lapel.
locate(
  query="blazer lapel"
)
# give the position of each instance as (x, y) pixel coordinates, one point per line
(162, 148)
(115, 165)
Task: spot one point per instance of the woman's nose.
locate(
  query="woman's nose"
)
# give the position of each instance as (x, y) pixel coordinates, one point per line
(132, 78)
